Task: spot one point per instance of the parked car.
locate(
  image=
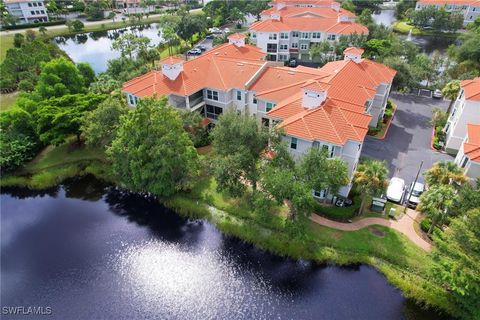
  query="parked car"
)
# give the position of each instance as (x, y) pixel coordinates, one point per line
(214, 30)
(210, 36)
(201, 47)
(226, 30)
(292, 63)
(437, 94)
(414, 192)
(396, 189)
(194, 52)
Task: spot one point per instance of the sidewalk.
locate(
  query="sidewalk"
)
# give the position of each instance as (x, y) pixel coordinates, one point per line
(403, 225)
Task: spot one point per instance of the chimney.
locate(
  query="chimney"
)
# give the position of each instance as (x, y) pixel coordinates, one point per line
(353, 53)
(336, 6)
(314, 94)
(280, 5)
(172, 67)
(237, 39)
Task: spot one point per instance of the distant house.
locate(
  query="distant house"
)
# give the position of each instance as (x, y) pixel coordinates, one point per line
(468, 156)
(469, 8)
(290, 28)
(27, 11)
(329, 108)
(465, 110)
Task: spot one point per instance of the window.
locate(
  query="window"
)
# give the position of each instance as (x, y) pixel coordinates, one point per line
(136, 100)
(213, 112)
(271, 47)
(270, 106)
(283, 35)
(304, 46)
(464, 162)
(272, 36)
(320, 194)
(331, 37)
(42, 12)
(295, 34)
(212, 95)
(130, 99)
(282, 57)
(254, 100)
(29, 4)
(265, 122)
(305, 35)
(284, 47)
(37, 12)
(316, 35)
(295, 45)
(293, 143)
(239, 95)
(34, 4)
(254, 35)
(32, 12)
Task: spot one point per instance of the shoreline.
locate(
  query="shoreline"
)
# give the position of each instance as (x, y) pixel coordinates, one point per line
(316, 243)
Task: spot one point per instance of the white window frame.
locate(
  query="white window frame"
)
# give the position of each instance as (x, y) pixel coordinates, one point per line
(212, 94)
(304, 46)
(269, 106)
(283, 35)
(305, 35)
(283, 47)
(272, 36)
(294, 45)
(239, 95)
(293, 142)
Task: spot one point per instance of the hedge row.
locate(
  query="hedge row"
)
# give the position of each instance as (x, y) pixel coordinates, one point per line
(34, 25)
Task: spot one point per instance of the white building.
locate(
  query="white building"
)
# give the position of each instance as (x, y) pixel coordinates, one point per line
(465, 110)
(468, 156)
(326, 108)
(290, 28)
(27, 11)
(469, 8)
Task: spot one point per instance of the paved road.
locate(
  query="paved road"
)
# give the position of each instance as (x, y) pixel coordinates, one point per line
(405, 225)
(408, 140)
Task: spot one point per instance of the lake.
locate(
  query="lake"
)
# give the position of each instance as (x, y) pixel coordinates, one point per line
(96, 47)
(91, 251)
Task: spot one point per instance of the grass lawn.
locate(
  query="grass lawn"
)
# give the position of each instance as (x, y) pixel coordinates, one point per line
(7, 100)
(404, 27)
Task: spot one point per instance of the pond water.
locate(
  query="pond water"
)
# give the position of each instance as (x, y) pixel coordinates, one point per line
(96, 47)
(89, 251)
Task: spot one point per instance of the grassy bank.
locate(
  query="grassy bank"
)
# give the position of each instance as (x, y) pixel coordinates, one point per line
(404, 27)
(7, 100)
(403, 263)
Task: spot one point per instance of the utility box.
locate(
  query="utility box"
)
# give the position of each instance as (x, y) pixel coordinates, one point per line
(378, 204)
(392, 213)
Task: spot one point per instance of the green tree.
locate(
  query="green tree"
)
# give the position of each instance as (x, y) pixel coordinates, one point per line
(365, 17)
(104, 83)
(189, 25)
(152, 152)
(42, 30)
(60, 117)
(129, 44)
(18, 40)
(402, 7)
(319, 49)
(75, 25)
(348, 5)
(59, 77)
(87, 73)
(30, 35)
(456, 253)
(467, 198)
(450, 91)
(370, 179)
(437, 203)
(100, 125)
(238, 141)
(445, 173)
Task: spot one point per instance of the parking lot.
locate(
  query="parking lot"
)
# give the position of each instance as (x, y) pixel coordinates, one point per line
(408, 139)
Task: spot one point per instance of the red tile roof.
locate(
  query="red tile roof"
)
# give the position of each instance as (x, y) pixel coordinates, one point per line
(227, 67)
(172, 60)
(309, 23)
(354, 50)
(471, 89)
(471, 148)
(296, 11)
(237, 36)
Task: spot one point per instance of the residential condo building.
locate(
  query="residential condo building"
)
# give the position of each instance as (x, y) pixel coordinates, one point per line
(465, 110)
(469, 8)
(468, 156)
(290, 28)
(27, 11)
(331, 107)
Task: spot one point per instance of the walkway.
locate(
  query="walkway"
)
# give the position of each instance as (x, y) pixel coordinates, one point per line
(405, 225)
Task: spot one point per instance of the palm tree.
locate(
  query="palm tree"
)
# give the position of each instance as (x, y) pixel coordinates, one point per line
(450, 91)
(444, 173)
(436, 204)
(370, 179)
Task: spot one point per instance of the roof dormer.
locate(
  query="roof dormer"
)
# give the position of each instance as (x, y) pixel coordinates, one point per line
(353, 53)
(314, 94)
(336, 6)
(172, 67)
(342, 18)
(237, 39)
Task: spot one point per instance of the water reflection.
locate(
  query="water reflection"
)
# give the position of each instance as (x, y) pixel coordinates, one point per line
(95, 47)
(124, 256)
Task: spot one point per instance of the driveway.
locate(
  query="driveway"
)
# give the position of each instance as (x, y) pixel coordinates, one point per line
(408, 139)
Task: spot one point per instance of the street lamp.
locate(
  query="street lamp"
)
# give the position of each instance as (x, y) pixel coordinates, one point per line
(413, 185)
